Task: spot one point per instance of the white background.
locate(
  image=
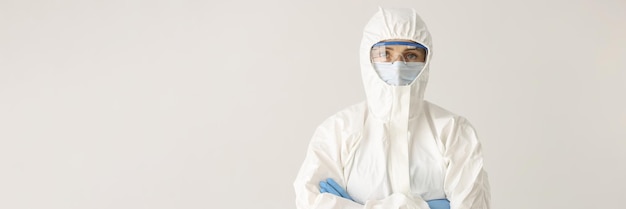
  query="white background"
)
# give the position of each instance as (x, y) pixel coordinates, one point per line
(211, 104)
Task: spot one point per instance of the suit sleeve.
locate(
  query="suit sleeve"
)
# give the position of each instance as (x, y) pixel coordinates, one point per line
(466, 183)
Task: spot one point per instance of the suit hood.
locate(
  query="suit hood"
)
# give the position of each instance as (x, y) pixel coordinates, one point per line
(386, 101)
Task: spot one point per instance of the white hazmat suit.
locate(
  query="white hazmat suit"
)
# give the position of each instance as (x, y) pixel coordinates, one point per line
(394, 150)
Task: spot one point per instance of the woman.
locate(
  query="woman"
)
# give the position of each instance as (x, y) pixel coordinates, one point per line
(394, 150)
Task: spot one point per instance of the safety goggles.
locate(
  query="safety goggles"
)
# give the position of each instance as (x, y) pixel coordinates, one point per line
(392, 51)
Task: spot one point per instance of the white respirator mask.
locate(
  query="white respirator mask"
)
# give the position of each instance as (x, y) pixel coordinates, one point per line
(398, 73)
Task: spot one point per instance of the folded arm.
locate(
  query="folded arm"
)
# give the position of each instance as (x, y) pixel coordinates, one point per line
(322, 162)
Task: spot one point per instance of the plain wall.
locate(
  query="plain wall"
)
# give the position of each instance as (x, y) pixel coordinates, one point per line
(211, 104)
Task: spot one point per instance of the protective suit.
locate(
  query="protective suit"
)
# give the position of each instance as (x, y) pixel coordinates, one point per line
(394, 150)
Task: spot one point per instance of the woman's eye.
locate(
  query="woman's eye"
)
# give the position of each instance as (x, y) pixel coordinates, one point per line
(411, 56)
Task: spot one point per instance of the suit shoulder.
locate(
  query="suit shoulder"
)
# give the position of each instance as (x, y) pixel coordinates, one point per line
(437, 111)
(443, 114)
(349, 118)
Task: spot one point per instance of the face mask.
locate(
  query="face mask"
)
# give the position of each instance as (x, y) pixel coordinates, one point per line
(398, 73)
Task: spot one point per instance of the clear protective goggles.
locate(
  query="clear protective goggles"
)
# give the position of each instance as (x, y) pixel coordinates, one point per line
(392, 51)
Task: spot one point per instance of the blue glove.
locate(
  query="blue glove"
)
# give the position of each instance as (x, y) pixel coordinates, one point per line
(330, 186)
(439, 204)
